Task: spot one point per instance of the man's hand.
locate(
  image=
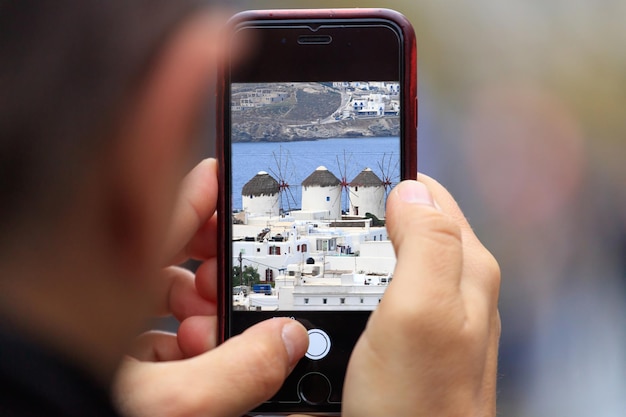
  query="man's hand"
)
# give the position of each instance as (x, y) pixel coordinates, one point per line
(184, 374)
(430, 348)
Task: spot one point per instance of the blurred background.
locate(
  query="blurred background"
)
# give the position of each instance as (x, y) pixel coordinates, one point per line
(523, 117)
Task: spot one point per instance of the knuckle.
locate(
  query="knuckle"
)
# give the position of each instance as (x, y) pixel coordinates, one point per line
(494, 273)
(490, 272)
(498, 325)
(440, 226)
(427, 229)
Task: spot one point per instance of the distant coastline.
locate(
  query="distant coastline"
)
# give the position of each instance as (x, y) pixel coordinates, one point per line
(264, 131)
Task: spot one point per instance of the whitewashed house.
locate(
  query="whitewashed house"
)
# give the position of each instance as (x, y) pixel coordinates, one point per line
(268, 252)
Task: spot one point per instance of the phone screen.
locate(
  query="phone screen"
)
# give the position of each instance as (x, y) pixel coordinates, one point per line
(313, 163)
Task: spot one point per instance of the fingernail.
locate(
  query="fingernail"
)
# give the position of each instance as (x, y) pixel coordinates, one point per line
(292, 339)
(414, 192)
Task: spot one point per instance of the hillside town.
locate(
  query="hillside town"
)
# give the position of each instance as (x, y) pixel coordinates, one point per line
(304, 111)
(358, 99)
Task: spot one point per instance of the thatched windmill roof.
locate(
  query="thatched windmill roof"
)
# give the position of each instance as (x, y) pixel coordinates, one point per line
(261, 184)
(321, 177)
(366, 178)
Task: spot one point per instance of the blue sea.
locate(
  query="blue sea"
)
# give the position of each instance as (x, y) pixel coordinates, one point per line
(292, 162)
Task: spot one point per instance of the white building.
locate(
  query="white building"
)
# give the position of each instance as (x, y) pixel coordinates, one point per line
(321, 191)
(322, 294)
(367, 195)
(375, 258)
(392, 88)
(260, 196)
(373, 104)
(339, 282)
(315, 266)
(269, 253)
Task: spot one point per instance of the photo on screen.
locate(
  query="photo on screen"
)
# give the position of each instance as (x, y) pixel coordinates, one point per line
(312, 165)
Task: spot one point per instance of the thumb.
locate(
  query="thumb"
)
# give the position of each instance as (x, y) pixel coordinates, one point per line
(226, 381)
(427, 242)
(404, 347)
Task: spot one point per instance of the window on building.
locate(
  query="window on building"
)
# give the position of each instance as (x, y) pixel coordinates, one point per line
(325, 300)
(306, 301)
(356, 210)
(356, 188)
(327, 198)
(322, 244)
(342, 300)
(361, 300)
(258, 249)
(298, 248)
(274, 250)
(304, 248)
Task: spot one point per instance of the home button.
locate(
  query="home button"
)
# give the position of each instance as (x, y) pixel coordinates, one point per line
(319, 344)
(314, 388)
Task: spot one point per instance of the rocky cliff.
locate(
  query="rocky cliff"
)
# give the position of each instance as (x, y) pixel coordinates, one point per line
(276, 131)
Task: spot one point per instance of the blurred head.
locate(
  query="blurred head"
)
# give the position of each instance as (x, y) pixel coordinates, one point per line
(100, 105)
(71, 73)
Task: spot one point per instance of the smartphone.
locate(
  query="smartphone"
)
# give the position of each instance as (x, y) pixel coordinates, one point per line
(317, 121)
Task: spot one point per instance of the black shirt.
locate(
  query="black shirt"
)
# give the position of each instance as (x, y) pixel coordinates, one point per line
(34, 382)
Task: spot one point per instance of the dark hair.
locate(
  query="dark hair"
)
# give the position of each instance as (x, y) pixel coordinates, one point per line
(67, 67)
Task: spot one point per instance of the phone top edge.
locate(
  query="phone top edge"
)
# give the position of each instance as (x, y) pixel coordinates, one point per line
(316, 16)
(326, 14)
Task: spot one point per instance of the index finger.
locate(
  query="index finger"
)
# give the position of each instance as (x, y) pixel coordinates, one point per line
(193, 211)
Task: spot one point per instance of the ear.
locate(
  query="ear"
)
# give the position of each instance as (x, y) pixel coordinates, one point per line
(153, 149)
